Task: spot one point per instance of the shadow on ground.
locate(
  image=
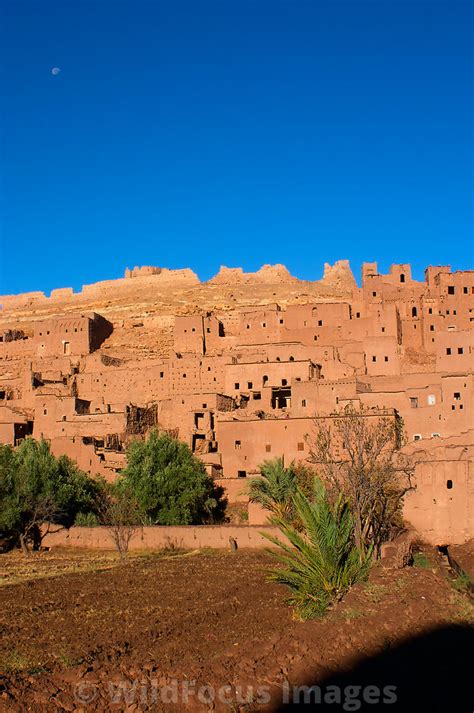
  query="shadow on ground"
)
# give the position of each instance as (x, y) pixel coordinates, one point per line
(433, 672)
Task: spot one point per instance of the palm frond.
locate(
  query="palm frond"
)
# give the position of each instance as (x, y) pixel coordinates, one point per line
(318, 561)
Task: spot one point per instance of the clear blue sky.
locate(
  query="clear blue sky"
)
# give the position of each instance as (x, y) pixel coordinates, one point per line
(205, 133)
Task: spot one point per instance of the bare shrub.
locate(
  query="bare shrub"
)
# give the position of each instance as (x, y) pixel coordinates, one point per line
(357, 453)
(123, 517)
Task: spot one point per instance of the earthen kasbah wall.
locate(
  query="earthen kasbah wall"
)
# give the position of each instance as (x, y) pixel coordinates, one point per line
(243, 367)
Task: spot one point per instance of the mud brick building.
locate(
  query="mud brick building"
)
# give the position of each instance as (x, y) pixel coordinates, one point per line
(240, 366)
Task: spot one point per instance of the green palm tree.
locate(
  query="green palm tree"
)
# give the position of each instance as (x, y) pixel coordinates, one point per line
(321, 561)
(274, 488)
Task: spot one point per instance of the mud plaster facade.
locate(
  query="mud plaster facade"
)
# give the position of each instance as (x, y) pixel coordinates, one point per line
(240, 366)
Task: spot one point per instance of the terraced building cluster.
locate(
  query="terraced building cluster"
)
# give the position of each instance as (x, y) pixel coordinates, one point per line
(239, 367)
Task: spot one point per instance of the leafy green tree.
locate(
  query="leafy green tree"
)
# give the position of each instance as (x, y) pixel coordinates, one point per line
(320, 560)
(86, 519)
(274, 488)
(36, 489)
(170, 484)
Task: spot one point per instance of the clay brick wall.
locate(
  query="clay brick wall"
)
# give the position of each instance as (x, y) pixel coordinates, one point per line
(18, 349)
(442, 506)
(189, 334)
(455, 351)
(261, 326)
(186, 375)
(381, 356)
(252, 377)
(27, 299)
(69, 336)
(62, 293)
(118, 385)
(155, 538)
(213, 371)
(246, 444)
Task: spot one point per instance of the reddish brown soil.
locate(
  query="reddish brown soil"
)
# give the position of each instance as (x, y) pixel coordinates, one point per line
(214, 618)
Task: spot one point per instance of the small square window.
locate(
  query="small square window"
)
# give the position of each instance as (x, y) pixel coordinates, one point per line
(238, 445)
(374, 294)
(281, 321)
(358, 315)
(250, 384)
(303, 403)
(460, 350)
(241, 473)
(374, 358)
(237, 385)
(301, 446)
(268, 448)
(386, 358)
(431, 327)
(450, 289)
(162, 373)
(320, 322)
(448, 351)
(430, 310)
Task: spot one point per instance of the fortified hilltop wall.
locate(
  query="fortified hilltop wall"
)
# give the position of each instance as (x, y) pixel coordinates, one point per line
(243, 366)
(146, 278)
